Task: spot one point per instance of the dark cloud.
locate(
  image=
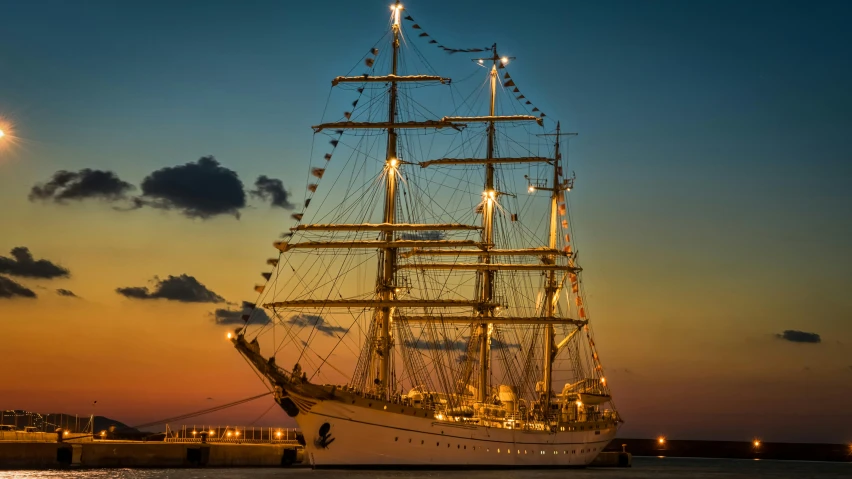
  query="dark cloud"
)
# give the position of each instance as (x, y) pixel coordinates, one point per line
(423, 236)
(183, 288)
(795, 336)
(226, 316)
(11, 289)
(65, 292)
(315, 321)
(497, 343)
(22, 264)
(463, 358)
(272, 190)
(423, 345)
(86, 183)
(198, 190)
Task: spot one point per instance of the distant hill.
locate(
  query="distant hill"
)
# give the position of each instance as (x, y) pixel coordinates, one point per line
(50, 422)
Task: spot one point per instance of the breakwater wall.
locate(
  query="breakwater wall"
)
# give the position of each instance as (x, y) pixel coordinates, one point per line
(734, 449)
(40, 455)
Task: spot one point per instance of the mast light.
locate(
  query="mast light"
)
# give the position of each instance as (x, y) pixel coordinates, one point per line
(505, 60)
(393, 162)
(532, 189)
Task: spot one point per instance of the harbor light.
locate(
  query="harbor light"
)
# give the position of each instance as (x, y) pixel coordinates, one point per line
(230, 335)
(65, 433)
(229, 433)
(194, 432)
(103, 433)
(756, 443)
(237, 433)
(2, 134)
(661, 440)
(278, 433)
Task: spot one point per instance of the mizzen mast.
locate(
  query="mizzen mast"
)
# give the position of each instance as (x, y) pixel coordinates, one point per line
(551, 289)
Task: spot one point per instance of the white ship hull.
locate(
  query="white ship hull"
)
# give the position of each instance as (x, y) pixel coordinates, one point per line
(357, 436)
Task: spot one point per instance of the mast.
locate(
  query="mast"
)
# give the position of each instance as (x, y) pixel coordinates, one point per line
(551, 288)
(489, 197)
(386, 284)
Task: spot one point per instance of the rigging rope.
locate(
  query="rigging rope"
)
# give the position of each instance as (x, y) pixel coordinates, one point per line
(202, 412)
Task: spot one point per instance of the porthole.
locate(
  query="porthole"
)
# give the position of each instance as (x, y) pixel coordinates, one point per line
(525, 451)
(386, 408)
(465, 447)
(370, 405)
(458, 446)
(448, 444)
(437, 444)
(422, 441)
(409, 440)
(498, 451)
(519, 451)
(396, 438)
(556, 452)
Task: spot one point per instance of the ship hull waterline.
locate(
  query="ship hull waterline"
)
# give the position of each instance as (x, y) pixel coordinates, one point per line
(339, 435)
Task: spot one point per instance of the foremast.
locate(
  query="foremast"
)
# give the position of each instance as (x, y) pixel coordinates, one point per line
(386, 281)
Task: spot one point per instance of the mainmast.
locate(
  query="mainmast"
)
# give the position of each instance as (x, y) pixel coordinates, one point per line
(489, 198)
(386, 283)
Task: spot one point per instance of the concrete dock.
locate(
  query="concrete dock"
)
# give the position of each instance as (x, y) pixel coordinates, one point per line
(45, 455)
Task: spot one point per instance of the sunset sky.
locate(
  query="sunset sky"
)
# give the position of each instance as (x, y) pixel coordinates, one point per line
(712, 205)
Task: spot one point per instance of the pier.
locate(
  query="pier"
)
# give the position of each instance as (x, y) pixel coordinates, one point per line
(210, 446)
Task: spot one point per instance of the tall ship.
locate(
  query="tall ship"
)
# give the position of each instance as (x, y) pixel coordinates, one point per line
(426, 308)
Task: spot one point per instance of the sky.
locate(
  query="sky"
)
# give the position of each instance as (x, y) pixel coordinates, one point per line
(712, 202)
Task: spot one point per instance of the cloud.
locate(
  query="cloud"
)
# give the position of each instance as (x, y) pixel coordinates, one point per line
(65, 292)
(424, 345)
(424, 236)
(497, 343)
(795, 336)
(463, 358)
(198, 190)
(11, 289)
(87, 183)
(272, 190)
(225, 316)
(314, 321)
(22, 264)
(183, 288)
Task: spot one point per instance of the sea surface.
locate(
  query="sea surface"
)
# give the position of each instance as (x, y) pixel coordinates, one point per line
(643, 468)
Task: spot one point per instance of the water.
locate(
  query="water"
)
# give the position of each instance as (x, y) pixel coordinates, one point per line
(643, 468)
